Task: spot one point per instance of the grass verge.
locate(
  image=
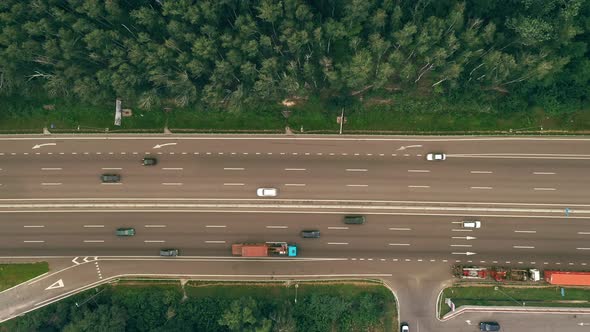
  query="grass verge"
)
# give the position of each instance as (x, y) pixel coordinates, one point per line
(544, 296)
(14, 274)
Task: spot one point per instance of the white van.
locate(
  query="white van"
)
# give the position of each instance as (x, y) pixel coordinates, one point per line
(471, 224)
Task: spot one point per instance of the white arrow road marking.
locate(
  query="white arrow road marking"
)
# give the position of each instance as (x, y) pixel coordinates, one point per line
(468, 322)
(409, 146)
(42, 145)
(75, 260)
(157, 146)
(86, 259)
(57, 284)
(464, 237)
(463, 253)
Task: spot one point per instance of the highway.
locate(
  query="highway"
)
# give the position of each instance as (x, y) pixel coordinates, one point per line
(529, 193)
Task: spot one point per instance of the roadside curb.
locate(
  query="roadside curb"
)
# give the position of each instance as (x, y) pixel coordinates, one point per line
(515, 310)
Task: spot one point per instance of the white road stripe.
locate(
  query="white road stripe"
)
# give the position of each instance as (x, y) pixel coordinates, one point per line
(93, 226)
(357, 185)
(418, 171)
(154, 226)
(214, 241)
(295, 184)
(525, 232)
(399, 229)
(483, 188)
(93, 241)
(356, 169)
(339, 227)
(523, 247)
(34, 226)
(338, 243)
(215, 226)
(295, 169)
(584, 233)
(33, 241)
(233, 168)
(277, 227)
(481, 172)
(233, 184)
(543, 173)
(462, 230)
(112, 184)
(154, 241)
(399, 244)
(583, 248)
(172, 183)
(461, 245)
(545, 189)
(112, 168)
(50, 169)
(172, 168)
(51, 183)
(418, 186)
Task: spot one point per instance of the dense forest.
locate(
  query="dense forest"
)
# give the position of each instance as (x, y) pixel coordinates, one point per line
(226, 54)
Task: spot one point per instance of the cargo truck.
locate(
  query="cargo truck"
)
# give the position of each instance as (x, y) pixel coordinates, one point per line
(264, 249)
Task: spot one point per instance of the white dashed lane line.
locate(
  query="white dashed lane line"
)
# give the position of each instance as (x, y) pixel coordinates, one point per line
(34, 226)
(50, 169)
(172, 183)
(523, 247)
(357, 185)
(172, 168)
(399, 229)
(233, 184)
(544, 173)
(532, 232)
(356, 170)
(419, 187)
(111, 168)
(337, 243)
(93, 226)
(279, 227)
(584, 233)
(34, 241)
(154, 226)
(583, 248)
(545, 189)
(461, 245)
(481, 172)
(399, 244)
(462, 230)
(295, 169)
(51, 184)
(338, 227)
(215, 226)
(295, 184)
(233, 168)
(93, 241)
(112, 184)
(214, 241)
(481, 188)
(418, 171)
(154, 241)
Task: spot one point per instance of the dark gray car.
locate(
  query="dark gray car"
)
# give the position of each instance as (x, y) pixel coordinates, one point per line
(489, 326)
(149, 161)
(110, 178)
(310, 234)
(169, 252)
(354, 219)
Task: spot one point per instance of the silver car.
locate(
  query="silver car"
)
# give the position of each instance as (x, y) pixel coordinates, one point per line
(267, 192)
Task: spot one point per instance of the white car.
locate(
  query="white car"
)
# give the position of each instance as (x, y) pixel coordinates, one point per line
(267, 192)
(436, 156)
(472, 224)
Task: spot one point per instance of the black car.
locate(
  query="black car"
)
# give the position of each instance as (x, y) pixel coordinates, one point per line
(149, 161)
(354, 220)
(310, 234)
(110, 178)
(489, 326)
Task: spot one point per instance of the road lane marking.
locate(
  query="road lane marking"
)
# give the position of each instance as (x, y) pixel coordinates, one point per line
(338, 243)
(523, 247)
(51, 183)
(338, 227)
(33, 241)
(418, 171)
(277, 227)
(418, 186)
(50, 169)
(399, 229)
(93, 226)
(356, 170)
(154, 241)
(172, 168)
(545, 189)
(112, 184)
(34, 226)
(583, 248)
(233, 184)
(111, 168)
(461, 245)
(215, 226)
(154, 226)
(214, 241)
(544, 173)
(525, 232)
(357, 185)
(461, 230)
(172, 183)
(399, 244)
(295, 184)
(482, 188)
(295, 169)
(233, 168)
(481, 172)
(93, 241)
(584, 233)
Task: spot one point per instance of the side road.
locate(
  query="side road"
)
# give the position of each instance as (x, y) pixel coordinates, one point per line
(514, 310)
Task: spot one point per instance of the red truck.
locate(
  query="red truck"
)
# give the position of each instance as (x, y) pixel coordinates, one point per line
(264, 249)
(568, 278)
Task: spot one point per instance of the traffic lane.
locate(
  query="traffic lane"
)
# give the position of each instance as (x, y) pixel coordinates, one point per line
(303, 143)
(469, 322)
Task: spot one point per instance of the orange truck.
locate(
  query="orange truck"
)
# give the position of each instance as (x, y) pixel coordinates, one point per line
(264, 249)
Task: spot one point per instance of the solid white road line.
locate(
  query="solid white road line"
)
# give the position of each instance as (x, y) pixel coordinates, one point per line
(111, 168)
(172, 168)
(34, 226)
(233, 168)
(51, 168)
(399, 244)
(33, 241)
(525, 232)
(233, 184)
(418, 171)
(338, 243)
(215, 226)
(481, 172)
(544, 173)
(523, 247)
(154, 226)
(172, 183)
(93, 226)
(93, 241)
(277, 227)
(357, 185)
(399, 229)
(295, 184)
(214, 241)
(154, 241)
(295, 169)
(545, 189)
(482, 188)
(418, 186)
(51, 183)
(338, 227)
(356, 170)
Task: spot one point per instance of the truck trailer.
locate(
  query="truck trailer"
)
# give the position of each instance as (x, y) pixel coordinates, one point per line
(264, 249)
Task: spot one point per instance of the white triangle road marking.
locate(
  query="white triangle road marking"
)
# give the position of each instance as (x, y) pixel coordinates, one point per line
(57, 284)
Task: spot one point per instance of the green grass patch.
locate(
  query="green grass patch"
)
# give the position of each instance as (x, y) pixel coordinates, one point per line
(14, 274)
(546, 296)
(187, 120)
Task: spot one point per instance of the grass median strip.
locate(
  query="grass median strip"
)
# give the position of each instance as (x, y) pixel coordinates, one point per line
(14, 274)
(529, 296)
